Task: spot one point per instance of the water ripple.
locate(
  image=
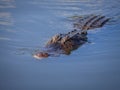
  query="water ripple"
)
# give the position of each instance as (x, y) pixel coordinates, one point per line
(7, 4)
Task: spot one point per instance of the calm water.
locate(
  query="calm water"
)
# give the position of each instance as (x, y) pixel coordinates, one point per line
(25, 26)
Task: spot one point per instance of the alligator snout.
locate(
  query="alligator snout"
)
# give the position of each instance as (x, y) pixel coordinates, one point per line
(41, 55)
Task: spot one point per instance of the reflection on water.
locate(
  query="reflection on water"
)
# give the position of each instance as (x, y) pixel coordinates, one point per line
(7, 4)
(5, 19)
(26, 25)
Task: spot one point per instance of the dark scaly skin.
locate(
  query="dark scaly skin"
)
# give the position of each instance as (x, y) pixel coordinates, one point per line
(65, 43)
(74, 42)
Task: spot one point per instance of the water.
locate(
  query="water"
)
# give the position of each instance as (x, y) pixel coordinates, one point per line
(25, 26)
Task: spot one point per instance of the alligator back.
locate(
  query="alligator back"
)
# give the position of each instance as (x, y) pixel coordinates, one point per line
(81, 26)
(91, 22)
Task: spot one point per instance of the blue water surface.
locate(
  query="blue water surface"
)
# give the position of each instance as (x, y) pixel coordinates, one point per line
(26, 25)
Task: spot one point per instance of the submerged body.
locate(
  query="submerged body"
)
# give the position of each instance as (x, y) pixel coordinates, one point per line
(65, 43)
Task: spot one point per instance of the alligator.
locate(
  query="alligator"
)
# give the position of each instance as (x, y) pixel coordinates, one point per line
(66, 43)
